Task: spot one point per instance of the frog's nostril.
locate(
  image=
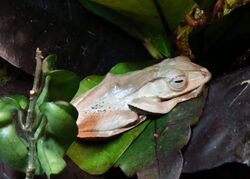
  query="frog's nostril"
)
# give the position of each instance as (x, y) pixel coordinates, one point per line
(204, 71)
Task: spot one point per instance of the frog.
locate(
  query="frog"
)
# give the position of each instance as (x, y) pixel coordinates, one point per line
(122, 101)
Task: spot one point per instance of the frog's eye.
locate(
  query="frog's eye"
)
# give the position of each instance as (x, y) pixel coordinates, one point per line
(178, 83)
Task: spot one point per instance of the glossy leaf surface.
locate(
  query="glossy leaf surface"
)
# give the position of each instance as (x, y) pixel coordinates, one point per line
(61, 118)
(61, 131)
(63, 85)
(139, 18)
(88, 83)
(174, 11)
(13, 149)
(162, 138)
(97, 157)
(49, 63)
(60, 85)
(10, 105)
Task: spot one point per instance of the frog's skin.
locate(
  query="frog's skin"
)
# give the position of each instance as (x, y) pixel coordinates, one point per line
(112, 106)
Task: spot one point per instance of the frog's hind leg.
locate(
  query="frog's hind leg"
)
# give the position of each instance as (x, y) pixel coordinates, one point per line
(106, 124)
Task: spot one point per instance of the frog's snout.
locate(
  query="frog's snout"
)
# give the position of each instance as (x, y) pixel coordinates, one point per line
(205, 73)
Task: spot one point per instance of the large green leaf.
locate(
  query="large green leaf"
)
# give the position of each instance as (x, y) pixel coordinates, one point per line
(140, 18)
(121, 68)
(50, 159)
(13, 150)
(97, 157)
(87, 83)
(49, 63)
(22, 101)
(59, 85)
(175, 10)
(149, 20)
(162, 138)
(9, 105)
(60, 132)
(63, 85)
(13, 103)
(61, 118)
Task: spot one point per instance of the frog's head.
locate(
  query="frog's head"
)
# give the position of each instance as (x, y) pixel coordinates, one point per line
(177, 80)
(181, 76)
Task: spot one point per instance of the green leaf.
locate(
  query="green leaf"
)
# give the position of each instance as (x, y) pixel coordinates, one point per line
(61, 118)
(121, 68)
(63, 85)
(61, 131)
(21, 100)
(59, 85)
(49, 63)
(111, 15)
(175, 10)
(162, 137)
(51, 160)
(5, 117)
(88, 83)
(98, 157)
(139, 18)
(9, 105)
(13, 102)
(13, 150)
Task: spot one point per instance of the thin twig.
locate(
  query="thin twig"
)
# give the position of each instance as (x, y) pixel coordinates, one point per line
(35, 90)
(31, 116)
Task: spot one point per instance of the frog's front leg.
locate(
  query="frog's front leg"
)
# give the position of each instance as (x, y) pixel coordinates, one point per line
(153, 105)
(158, 105)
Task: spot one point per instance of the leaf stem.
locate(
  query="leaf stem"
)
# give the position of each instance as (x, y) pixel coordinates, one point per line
(31, 116)
(21, 119)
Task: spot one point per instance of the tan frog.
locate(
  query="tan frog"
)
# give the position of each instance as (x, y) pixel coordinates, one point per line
(114, 105)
